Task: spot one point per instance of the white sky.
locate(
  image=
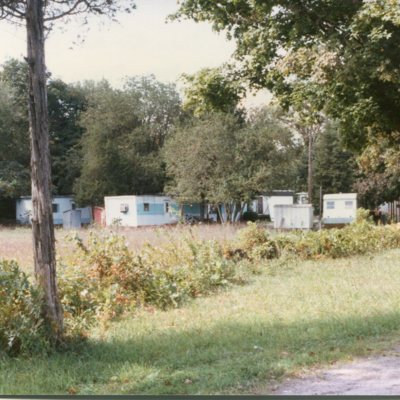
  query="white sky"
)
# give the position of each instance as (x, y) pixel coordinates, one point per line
(142, 43)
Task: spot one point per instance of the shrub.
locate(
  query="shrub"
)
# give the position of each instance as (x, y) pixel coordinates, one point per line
(363, 215)
(21, 326)
(250, 216)
(253, 242)
(360, 237)
(106, 278)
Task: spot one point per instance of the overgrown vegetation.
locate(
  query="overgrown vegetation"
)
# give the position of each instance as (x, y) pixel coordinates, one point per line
(308, 313)
(21, 325)
(104, 279)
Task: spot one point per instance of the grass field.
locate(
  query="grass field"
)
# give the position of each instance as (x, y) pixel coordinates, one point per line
(16, 243)
(239, 341)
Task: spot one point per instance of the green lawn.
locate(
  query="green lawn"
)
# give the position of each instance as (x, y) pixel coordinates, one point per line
(235, 342)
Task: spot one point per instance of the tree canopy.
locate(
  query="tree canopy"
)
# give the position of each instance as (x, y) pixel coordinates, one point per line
(219, 160)
(212, 90)
(345, 53)
(124, 132)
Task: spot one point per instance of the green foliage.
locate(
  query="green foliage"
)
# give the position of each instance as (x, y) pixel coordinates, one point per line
(105, 279)
(334, 167)
(21, 325)
(362, 216)
(102, 140)
(124, 132)
(254, 242)
(216, 159)
(211, 90)
(250, 216)
(379, 171)
(342, 56)
(14, 138)
(360, 237)
(65, 103)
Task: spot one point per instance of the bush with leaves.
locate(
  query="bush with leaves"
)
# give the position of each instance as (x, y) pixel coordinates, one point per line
(360, 237)
(22, 329)
(254, 242)
(105, 278)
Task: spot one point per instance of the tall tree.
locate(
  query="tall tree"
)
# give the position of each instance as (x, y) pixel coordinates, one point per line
(347, 51)
(307, 122)
(212, 90)
(220, 161)
(38, 16)
(67, 102)
(124, 132)
(335, 168)
(14, 143)
(157, 104)
(378, 180)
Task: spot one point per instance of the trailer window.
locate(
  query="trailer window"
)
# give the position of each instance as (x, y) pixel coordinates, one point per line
(166, 207)
(146, 207)
(348, 204)
(330, 205)
(55, 207)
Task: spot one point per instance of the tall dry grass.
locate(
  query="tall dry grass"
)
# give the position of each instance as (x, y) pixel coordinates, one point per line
(16, 242)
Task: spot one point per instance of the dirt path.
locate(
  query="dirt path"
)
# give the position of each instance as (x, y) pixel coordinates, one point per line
(378, 375)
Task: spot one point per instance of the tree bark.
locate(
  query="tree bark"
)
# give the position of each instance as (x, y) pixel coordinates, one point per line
(42, 213)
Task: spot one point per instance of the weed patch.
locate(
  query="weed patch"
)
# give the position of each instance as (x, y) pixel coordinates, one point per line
(21, 326)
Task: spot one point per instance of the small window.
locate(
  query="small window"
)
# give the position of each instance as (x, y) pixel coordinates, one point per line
(73, 206)
(167, 207)
(55, 207)
(330, 205)
(348, 204)
(146, 207)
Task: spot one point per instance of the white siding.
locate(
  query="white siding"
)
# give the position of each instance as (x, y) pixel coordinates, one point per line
(63, 203)
(294, 216)
(113, 212)
(140, 210)
(340, 208)
(277, 200)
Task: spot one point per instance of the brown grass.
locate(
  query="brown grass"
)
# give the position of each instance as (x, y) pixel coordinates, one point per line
(16, 243)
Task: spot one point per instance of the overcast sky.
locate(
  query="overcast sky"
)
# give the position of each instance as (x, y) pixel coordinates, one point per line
(142, 43)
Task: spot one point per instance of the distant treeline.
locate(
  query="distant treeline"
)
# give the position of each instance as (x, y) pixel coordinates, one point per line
(141, 139)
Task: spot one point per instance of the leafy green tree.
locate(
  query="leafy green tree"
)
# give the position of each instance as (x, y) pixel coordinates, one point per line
(124, 132)
(378, 180)
(158, 105)
(14, 141)
(66, 103)
(212, 90)
(335, 168)
(216, 159)
(344, 52)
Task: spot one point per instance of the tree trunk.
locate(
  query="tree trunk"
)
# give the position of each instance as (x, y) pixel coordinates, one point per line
(310, 168)
(221, 217)
(42, 213)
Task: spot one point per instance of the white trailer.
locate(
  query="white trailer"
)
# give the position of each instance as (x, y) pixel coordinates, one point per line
(339, 208)
(264, 204)
(137, 211)
(60, 205)
(293, 216)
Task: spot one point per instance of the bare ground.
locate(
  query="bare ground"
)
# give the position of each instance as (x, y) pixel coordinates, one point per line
(376, 375)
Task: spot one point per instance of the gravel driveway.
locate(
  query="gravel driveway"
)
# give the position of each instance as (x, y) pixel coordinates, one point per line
(377, 375)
